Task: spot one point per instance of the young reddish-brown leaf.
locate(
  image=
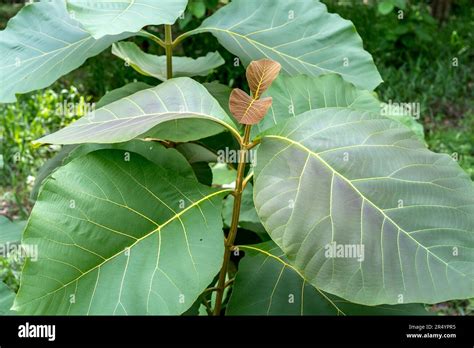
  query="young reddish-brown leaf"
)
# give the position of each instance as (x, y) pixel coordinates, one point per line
(260, 75)
(247, 110)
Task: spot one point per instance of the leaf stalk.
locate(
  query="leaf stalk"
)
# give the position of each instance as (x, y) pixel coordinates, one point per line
(152, 37)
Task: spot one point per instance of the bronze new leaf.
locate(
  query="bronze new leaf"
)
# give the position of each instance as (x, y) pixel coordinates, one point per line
(260, 75)
(248, 109)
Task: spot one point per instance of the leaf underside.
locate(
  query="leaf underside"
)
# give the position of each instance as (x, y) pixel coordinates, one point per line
(358, 179)
(155, 66)
(302, 36)
(42, 43)
(110, 17)
(183, 109)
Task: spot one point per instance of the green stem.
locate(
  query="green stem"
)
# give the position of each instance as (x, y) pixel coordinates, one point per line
(169, 51)
(229, 242)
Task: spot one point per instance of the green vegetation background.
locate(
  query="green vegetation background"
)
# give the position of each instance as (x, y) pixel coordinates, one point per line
(414, 55)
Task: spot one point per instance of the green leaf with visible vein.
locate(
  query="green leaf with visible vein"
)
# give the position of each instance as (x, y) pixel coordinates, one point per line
(179, 109)
(401, 216)
(267, 284)
(109, 231)
(293, 95)
(302, 36)
(111, 17)
(42, 43)
(155, 66)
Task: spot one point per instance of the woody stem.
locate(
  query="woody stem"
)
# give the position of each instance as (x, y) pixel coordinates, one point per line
(229, 242)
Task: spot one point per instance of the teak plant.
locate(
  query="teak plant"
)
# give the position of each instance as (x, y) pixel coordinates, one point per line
(353, 213)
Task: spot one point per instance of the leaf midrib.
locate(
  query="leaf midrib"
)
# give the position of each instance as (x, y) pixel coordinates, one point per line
(195, 114)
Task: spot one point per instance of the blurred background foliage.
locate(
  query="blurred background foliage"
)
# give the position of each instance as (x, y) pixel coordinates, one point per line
(423, 50)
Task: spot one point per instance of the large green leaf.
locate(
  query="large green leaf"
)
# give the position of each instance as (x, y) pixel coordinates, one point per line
(110, 229)
(6, 299)
(42, 43)
(301, 35)
(267, 284)
(357, 179)
(155, 66)
(293, 95)
(182, 109)
(111, 17)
